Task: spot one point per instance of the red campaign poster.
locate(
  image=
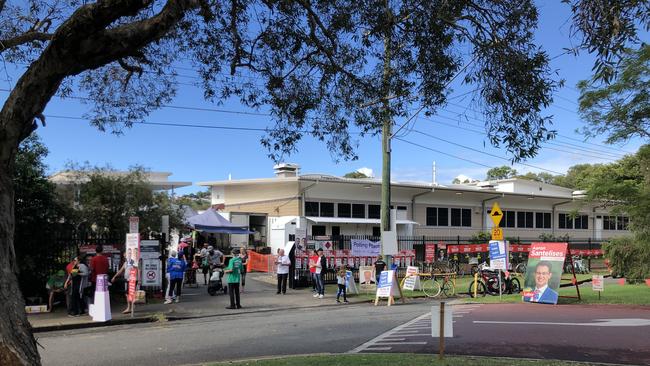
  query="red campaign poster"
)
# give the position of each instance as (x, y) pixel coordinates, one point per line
(452, 249)
(466, 248)
(133, 275)
(429, 252)
(544, 272)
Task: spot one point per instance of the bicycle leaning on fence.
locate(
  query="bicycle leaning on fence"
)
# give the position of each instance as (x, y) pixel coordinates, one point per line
(433, 284)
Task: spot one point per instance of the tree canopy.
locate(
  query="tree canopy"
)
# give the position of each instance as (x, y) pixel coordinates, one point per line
(619, 110)
(502, 172)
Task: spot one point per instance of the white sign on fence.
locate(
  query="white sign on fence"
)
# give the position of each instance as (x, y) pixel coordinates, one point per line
(151, 275)
(365, 248)
(412, 282)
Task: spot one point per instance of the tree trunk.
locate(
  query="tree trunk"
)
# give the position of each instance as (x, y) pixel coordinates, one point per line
(17, 344)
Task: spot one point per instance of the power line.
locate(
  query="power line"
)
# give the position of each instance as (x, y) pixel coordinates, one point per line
(550, 143)
(441, 152)
(484, 152)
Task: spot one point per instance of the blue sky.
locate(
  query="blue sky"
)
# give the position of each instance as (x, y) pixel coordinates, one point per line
(211, 154)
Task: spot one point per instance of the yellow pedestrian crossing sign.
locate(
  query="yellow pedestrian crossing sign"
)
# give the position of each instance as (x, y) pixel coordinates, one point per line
(496, 214)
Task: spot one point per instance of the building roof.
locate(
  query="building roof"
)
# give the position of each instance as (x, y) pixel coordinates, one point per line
(505, 187)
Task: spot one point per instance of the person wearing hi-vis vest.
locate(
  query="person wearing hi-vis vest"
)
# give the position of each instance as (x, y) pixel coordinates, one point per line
(542, 293)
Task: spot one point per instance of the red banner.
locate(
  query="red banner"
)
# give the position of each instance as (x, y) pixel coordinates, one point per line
(133, 275)
(429, 252)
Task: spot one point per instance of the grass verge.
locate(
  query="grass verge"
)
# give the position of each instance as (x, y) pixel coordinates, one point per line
(396, 360)
(613, 294)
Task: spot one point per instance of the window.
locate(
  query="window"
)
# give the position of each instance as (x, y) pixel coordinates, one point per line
(615, 222)
(508, 219)
(543, 220)
(376, 232)
(461, 217)
(524, 219)
(401, 208)
(359, 211)
(622, 222)
(437, 216)
(565, 221)
(336, 230)
(582, 222)
(345, 210)
(374, 211)
(432, 216)
(467, 217)
(318, 230)
(609, 222)
(326, 209)
(311, 209)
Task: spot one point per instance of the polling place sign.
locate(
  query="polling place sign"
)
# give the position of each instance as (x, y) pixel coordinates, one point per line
(365, 248)
(498, 254)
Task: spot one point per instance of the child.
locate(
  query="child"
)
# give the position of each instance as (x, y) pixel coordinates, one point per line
(340, 280)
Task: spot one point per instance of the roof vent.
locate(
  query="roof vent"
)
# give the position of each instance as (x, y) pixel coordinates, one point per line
(286, 170)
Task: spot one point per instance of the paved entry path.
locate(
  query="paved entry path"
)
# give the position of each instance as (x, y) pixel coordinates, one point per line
(615, 334)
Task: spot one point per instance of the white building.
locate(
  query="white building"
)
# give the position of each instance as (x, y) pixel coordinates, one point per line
(331, 206)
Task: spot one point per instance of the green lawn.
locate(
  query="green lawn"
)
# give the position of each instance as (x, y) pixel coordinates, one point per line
(613, 294)
(396, 360)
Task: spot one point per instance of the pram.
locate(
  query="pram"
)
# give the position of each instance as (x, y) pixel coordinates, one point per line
(215, 285)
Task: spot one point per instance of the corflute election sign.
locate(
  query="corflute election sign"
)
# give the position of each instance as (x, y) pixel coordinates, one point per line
(544, 272)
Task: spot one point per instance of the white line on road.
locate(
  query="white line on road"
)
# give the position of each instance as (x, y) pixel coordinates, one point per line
(598, 323)
(379, 349)
(394, 343)
(378, 339)
(391, 339)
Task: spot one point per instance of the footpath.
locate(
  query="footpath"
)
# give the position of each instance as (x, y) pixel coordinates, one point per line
(259, 296)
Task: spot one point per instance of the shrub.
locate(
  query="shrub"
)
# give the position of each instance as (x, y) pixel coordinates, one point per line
(629, 256)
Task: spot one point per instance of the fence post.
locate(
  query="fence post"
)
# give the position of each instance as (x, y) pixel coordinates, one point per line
(589, 257)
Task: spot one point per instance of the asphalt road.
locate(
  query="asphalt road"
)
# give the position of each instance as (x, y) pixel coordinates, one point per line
(329, 329)
(612, 334)
(515, 330)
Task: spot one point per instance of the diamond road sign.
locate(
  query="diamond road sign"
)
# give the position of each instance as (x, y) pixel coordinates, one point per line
(496, 214)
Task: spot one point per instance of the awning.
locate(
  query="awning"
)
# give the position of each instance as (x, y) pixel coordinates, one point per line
(210, 221)
(348, 220)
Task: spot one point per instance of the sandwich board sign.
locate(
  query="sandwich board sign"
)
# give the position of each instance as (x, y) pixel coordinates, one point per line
(412, 281)
(350, 284)
(388, 287)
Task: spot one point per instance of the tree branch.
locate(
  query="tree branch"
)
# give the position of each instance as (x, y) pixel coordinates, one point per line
(130, 69)
(24, 38)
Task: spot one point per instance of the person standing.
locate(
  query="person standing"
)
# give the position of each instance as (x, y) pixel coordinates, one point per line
(312, 270)
(176, 270)
(283, 263)
(234, 276)
(84, 273)
(98, 266)
(205, 262)
(73, 285)
(125, 270)
(340, 281)
(323, 269)
(380, 266)
(244, 264)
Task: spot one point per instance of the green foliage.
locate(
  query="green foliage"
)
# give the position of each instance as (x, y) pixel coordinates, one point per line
(37, 212)
(538, 177)
(629, 256)
(197, 201)
(480, 238)
(502, 172)
(620, 110)
(107, 199)
(550, 238)
(608, 28)
(355, 175)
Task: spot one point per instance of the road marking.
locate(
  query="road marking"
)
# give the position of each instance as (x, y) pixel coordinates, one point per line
(391, 339)
(394, 343)
(598, 323)
(379, 349)
(377, 340)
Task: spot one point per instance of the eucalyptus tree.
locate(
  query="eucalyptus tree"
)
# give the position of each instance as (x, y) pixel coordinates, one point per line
(319, 67)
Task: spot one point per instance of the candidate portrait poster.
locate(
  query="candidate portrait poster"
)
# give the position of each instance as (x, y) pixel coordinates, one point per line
(544, 272)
